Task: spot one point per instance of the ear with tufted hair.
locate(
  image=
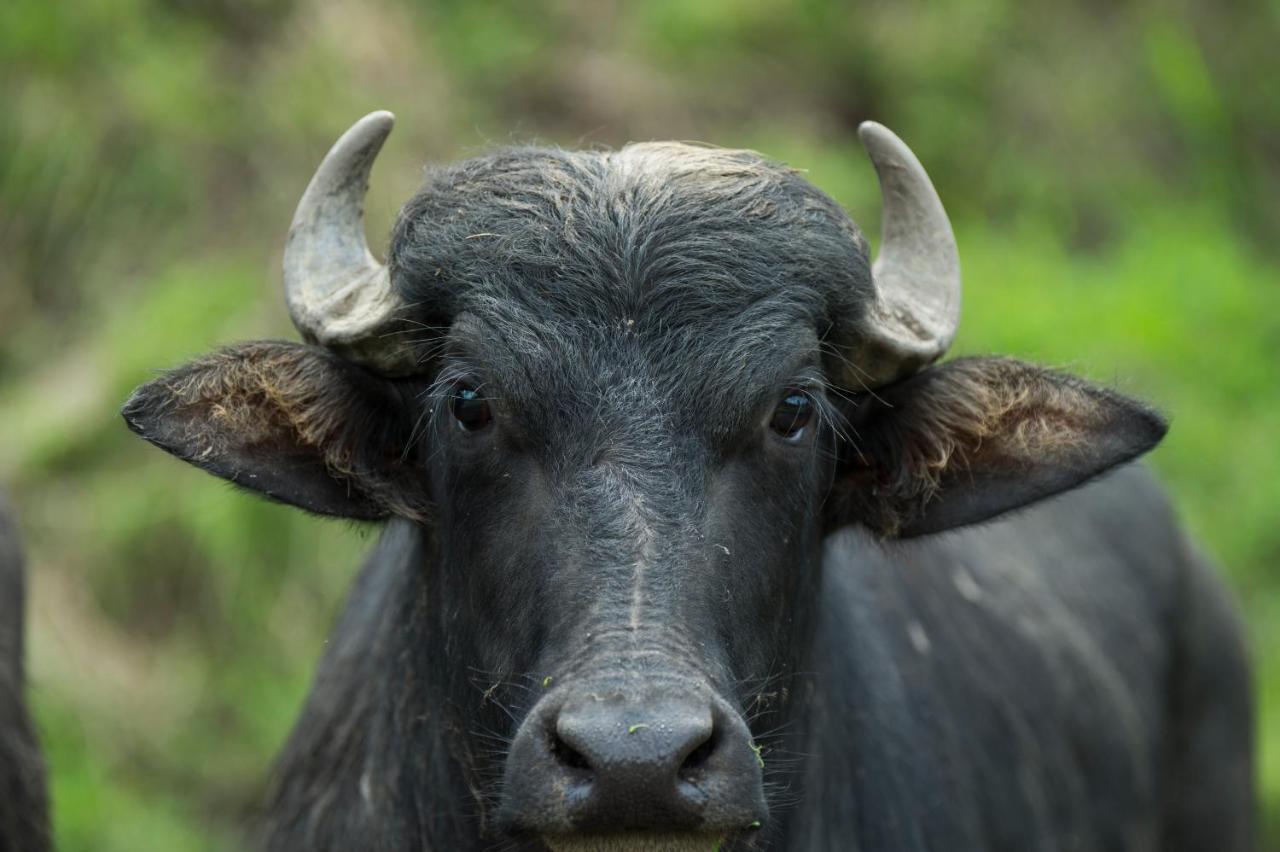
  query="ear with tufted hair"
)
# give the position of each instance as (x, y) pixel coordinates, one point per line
(292, 422)
(971, 439)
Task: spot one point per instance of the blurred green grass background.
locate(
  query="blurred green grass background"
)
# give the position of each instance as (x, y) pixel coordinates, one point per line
(1113, 170)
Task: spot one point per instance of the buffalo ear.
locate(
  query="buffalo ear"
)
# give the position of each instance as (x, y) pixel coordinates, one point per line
(970, 439)
(293, 422)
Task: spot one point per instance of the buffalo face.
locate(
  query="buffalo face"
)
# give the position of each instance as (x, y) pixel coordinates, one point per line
(636, 544)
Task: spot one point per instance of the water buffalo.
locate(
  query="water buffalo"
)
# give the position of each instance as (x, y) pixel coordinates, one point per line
(24, 809)
(668, 470)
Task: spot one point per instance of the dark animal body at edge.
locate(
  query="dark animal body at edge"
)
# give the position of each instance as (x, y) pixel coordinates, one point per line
(24, 807)
(1068, 677)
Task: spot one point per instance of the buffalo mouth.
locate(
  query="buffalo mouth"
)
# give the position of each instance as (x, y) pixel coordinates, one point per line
(638, 841)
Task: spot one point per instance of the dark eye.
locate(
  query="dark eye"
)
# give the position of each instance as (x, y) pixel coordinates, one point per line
(792, 414)
(470, 409)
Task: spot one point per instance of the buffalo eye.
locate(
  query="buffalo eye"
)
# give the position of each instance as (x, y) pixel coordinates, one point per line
(792, 415)
(470, 409)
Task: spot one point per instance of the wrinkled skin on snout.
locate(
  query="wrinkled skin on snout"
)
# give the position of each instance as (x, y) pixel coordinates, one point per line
(611, 474)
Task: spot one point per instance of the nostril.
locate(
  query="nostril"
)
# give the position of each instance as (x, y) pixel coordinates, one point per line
(700, 755)
(567, 755)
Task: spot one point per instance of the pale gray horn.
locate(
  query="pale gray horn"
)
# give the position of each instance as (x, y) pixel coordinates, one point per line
(914, 316)
(338, 294)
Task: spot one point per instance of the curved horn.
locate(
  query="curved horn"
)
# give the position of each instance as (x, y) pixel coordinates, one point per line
(916, 310)
(338, 294)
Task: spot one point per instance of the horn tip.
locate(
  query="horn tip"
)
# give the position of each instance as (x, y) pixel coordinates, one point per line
(877, 138)
(871, 128)
(377, 122)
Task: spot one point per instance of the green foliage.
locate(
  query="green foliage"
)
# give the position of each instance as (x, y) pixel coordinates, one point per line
(1110, 166)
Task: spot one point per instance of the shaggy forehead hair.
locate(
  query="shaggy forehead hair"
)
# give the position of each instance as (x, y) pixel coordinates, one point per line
(690, 252)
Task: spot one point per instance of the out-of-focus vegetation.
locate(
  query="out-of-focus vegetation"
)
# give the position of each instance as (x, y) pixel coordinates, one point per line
(1113, 169)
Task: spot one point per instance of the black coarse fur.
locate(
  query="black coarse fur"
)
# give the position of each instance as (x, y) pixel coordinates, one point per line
(24, 808)
(630, 525)
(664, 238)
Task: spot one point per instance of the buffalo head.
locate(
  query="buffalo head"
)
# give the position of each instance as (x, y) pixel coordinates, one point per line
(621, 398)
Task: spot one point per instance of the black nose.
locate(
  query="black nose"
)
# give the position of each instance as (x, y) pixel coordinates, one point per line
(643, 761)
(607, 763)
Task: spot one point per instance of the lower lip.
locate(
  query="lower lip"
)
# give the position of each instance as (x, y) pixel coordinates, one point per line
(635, 842)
